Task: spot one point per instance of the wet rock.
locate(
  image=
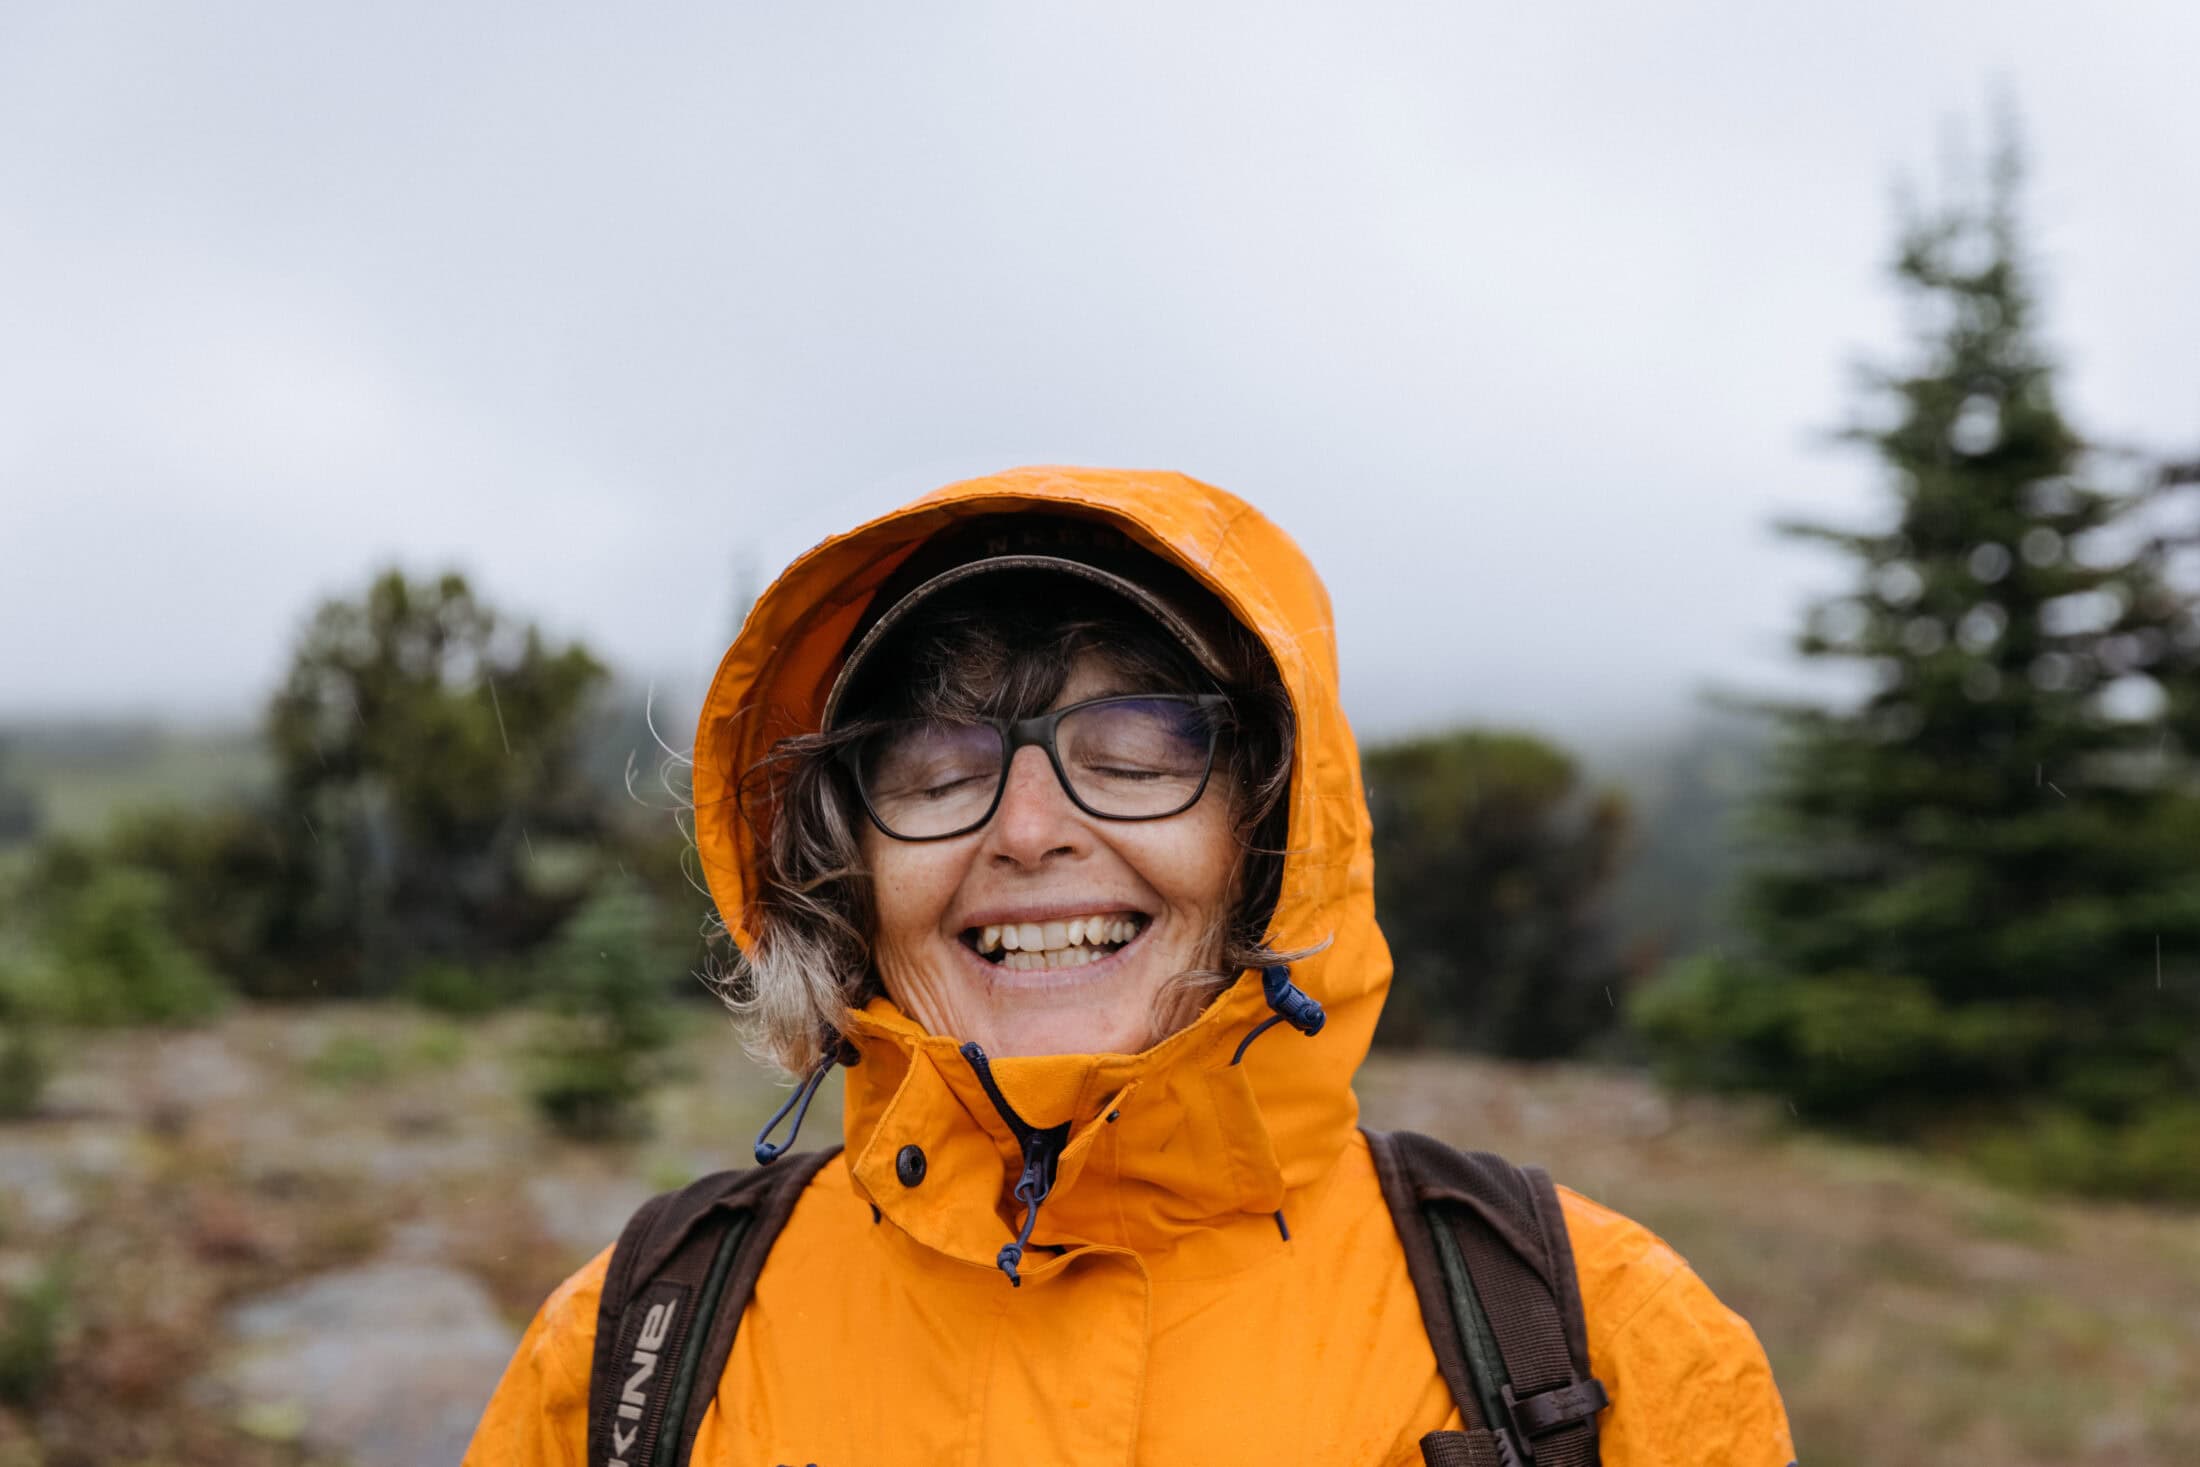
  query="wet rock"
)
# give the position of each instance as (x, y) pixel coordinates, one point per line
(35, 1183)
(386, 1365)
(583, 1212)
(194, 1070)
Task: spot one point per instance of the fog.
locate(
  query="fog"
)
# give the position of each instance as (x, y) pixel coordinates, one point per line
(1525, 323)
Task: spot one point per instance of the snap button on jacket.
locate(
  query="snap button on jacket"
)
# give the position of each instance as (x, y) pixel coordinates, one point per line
(1167, 1314)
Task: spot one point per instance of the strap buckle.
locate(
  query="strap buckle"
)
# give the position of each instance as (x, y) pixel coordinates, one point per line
(1529, 1417)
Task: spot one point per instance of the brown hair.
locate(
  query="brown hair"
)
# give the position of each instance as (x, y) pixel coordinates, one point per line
(995, 648)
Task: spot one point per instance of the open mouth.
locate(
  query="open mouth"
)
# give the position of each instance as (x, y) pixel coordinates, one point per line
(1069, 943)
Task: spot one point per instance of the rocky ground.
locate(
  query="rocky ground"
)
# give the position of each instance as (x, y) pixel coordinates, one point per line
(311, 1236)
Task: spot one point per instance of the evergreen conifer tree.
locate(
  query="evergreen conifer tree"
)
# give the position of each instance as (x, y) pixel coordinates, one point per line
(1977, 909)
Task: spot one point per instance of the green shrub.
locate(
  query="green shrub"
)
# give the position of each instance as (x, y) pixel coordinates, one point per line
(465, 989)
(109, 955)
(1493, 856)
(1712, 1024)
(2153, 1157)
(1853, 1048)
(439, 1046)
(239, 882)
(599, 1048)
(32, 1319)
(24, 1064)
(350, 1060)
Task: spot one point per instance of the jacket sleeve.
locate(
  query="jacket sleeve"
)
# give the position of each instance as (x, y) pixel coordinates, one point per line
(538, 1416)
(1690, 1384)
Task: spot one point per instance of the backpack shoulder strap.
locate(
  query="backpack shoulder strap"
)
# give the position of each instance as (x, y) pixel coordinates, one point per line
(673, 1295)
(1493, 1269)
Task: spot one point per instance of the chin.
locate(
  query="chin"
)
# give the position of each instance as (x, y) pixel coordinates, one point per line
(1028, 1035)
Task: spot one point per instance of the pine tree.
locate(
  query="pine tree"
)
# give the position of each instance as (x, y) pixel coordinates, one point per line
(1979, 898)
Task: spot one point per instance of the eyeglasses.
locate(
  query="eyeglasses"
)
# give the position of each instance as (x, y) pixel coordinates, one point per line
(1131, 756)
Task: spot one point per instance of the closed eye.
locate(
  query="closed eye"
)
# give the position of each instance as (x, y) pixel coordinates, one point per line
(948, 787)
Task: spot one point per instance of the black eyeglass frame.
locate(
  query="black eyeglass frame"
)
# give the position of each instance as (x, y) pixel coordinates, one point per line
(1039, 729)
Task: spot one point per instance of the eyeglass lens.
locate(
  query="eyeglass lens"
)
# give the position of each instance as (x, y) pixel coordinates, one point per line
(1123, 758)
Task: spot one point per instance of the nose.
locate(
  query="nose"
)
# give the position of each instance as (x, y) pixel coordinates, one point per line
(1035, 818)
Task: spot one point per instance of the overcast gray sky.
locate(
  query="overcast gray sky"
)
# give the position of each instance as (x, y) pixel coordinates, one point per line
(1523, 319)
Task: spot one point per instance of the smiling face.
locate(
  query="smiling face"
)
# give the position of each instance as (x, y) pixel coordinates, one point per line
(1048, 930)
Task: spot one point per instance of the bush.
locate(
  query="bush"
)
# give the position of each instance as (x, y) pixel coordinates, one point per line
(24, 1060)
(1711, 1024)
(2155, 1157)
(1860, 1049)
(348, 1061)
(467, 990)
(108, 954)
(251, 894)
(600, 1048)
(1492, 862)
(32, 1319)
(24, 1066)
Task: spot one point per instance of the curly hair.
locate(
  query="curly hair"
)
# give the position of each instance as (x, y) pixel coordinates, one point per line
(983, 652)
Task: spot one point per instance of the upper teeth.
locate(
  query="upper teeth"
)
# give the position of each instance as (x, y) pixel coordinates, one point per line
(1049, 936)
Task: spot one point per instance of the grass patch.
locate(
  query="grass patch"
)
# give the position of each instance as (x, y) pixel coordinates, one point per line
(2001, 1218)
(32, 1319)
(25, 1066)
(462, 990)
(438, 1046)
(351, 1061)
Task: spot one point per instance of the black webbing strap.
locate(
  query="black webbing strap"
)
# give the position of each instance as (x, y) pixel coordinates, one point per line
(1486, 1246)
(678, 1281)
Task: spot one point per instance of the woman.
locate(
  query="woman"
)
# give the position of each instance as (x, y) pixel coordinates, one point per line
(1032, 803)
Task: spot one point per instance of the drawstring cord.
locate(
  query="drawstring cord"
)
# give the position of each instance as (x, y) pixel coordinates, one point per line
(1292, 1005)
(1031, 1190)
(1041, 1148)
(767, 1152)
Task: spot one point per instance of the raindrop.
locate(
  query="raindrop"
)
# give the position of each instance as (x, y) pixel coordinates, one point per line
(499, 707)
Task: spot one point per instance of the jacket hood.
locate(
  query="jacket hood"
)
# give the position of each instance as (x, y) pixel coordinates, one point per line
(1189, 1151)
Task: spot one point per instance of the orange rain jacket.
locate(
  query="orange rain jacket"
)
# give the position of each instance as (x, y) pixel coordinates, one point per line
(1176, 1324)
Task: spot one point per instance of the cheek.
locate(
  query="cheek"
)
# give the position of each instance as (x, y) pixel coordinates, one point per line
(910, 888)
(1194, 865)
